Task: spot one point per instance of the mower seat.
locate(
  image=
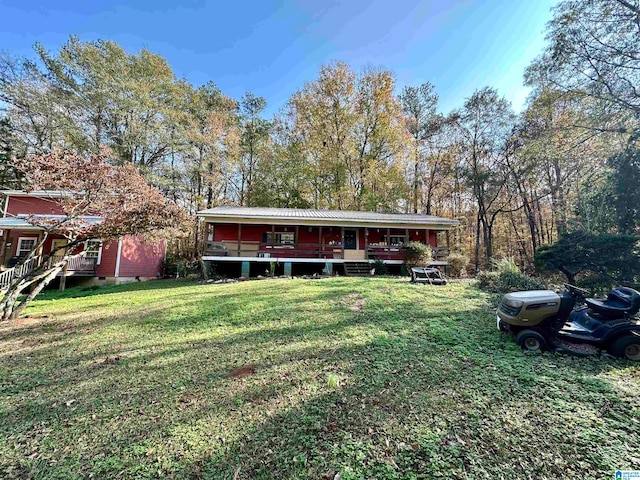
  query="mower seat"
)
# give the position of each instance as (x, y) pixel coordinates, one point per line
(620, 302)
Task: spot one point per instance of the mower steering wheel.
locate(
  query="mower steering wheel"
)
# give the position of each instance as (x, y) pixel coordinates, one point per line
(576, 290)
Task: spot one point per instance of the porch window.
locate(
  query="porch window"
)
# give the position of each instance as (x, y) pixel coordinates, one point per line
(25, 245)
(397, 241)
(280, 238)
(93, 249)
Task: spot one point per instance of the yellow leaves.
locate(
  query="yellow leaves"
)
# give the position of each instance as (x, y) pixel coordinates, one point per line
(352, 134)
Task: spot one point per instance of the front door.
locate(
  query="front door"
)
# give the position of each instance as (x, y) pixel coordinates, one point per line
(350, 240)
(57, 244)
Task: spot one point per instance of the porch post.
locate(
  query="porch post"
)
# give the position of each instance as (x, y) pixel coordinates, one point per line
(342, 242)
(3, 250)
(239, 238)
(366, 243)
(245, 269)
(297, 239)
(63, 278)
(39, 252)
(426, 237)
(273, 235)
(448, 240)
(406, 234)
(320, 242)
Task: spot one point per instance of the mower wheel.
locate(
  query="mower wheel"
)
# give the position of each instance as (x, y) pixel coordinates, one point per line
(502, 326)
(531, 340)
(626, 347)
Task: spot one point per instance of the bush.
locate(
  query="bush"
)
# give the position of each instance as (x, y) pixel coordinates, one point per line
(380, 267)
(416, 254)
(604, 259)
(505, 265)
(506, 278)
(516, 281)
(178, 267)
(458, 264)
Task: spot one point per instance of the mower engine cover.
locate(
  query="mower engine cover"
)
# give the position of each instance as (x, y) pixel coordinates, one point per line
(528, 308)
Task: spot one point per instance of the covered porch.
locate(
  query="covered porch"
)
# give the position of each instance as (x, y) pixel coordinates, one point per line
(338, 243)
(18, 239)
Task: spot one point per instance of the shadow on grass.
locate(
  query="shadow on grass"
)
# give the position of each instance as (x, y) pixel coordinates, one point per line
(425, 387)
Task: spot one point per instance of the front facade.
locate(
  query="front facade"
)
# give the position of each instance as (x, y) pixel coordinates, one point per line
(328, 237)
(119, 261)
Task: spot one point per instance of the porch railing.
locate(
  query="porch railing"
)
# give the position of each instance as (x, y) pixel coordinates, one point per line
(7, 276)
(307, 250)
(77, 264)
(259, 249)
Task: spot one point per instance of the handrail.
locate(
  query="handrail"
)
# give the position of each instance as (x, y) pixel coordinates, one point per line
(305, 250)
(7, 276)
(77, 264)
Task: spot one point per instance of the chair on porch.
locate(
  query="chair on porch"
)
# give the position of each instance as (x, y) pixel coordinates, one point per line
(429, 275)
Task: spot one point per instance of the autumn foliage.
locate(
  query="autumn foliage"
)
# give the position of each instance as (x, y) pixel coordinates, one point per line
(97, 201)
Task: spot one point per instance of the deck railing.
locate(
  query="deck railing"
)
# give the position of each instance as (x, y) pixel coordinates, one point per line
(7, 276)
(307, 250)
(298, 250)
(438, 254)
(77, 264)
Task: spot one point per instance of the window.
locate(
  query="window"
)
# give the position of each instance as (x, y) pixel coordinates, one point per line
(280, 238)
(397, 241)
(25, 245)
(93, 249)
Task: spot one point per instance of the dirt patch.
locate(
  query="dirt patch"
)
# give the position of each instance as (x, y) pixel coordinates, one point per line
(241, 372)
(358, 305)
(354, 302)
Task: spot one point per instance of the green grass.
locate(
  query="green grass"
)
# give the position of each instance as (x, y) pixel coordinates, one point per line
(371, 378)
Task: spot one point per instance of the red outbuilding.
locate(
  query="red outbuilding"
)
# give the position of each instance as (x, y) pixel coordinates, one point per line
(126, 259)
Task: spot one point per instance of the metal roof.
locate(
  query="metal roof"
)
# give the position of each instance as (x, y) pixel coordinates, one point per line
(35, 193)
(21, 221)
(325, 215)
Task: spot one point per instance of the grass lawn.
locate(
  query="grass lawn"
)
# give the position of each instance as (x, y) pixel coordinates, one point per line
(369, 378)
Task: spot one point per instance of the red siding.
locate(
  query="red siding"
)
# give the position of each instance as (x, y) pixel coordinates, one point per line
(139, 259)
(14, 235)
(107, 267)
(255, 233)
(32, 206)
(225, 232)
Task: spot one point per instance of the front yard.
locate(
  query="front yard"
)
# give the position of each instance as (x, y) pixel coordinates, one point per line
(369, 378)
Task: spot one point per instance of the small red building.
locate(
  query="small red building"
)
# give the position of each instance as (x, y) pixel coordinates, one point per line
(124, 260)
(348, 240)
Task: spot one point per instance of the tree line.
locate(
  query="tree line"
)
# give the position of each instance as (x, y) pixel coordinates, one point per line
(352, 139)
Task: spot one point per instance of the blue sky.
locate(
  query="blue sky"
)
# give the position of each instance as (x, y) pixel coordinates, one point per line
(272, 48)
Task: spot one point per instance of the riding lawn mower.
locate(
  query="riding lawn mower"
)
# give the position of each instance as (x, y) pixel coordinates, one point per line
(570, 322)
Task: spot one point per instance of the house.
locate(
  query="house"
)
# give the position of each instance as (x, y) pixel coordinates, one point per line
(300, 239)
(124, 260)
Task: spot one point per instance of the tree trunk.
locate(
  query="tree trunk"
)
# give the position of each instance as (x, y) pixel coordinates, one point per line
(34, 292)
(571, 278)
(416, 166)
(38, 279)
(477, 247)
